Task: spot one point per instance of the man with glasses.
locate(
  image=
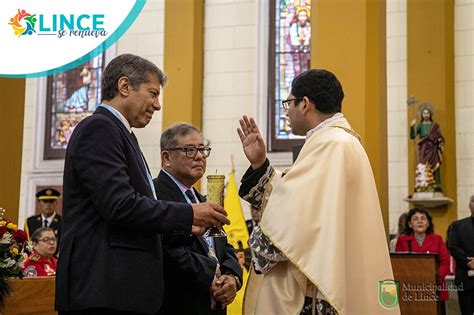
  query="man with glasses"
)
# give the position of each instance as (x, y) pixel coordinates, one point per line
(41, 262)
(321, 244)
(202, 275)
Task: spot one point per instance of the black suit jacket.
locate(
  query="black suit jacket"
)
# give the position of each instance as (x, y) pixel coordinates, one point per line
(35, 222)
(111, 252)
(188, 269)
(250, 225)
(461, 246)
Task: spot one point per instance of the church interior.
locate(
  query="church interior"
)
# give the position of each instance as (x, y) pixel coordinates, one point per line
(228, 58)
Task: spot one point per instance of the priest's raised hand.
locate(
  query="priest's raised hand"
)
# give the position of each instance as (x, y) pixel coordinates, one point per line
(252, 142)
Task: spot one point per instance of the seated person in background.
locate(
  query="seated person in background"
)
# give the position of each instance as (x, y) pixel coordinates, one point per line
(419, 237)
(42, 261)
(256, 214)
(401, 227)
(201, 275)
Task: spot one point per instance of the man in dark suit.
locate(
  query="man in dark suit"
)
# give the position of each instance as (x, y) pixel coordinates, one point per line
(48, 200)
(111, 253)
(202, 275)
(461, 246)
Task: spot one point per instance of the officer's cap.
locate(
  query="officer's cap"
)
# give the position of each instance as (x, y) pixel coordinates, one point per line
(48, 194)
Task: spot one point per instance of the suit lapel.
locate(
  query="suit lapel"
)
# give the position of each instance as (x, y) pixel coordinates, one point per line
(133, 142)
(200, 197)
(176, 195)
(170, 186)
(469, 228)
(427, 242)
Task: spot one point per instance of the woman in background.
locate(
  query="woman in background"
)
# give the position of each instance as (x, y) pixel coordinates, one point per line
(401, 228)
(419, 237)
(42, 261)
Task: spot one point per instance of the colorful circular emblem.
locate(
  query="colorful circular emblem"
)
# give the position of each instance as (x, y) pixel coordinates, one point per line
(30, 272)
(23, 23)
(389, 290)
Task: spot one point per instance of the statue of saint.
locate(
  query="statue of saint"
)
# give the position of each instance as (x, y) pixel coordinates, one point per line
(430, 141)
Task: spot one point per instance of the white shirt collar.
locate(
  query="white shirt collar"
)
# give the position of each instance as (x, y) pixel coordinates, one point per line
(182, 188)
(122, 117)
(50, 219)
(125, 122)
(337, 117)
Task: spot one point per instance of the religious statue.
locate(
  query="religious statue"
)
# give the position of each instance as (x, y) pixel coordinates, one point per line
(430, 145)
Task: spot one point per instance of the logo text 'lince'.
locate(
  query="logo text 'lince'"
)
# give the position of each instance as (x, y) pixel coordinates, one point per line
(83, 22)
(82, 25)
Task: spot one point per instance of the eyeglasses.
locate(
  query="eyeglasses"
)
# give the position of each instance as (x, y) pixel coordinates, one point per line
(286, 103)
(48, 239)
(191, 152)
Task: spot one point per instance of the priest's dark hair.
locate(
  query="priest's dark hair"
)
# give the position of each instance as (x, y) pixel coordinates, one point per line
(321, 87)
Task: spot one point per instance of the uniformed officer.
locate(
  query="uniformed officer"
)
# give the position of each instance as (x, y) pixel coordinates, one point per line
(48, 199)
(42, 261)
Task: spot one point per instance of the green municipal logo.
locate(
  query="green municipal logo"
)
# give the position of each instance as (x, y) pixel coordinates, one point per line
(388, 293)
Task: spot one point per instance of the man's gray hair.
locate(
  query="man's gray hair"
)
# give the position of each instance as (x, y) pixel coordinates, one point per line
(135, 68)
(170, 135)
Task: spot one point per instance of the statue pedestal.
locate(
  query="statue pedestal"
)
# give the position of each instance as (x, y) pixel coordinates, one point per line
(429, 199)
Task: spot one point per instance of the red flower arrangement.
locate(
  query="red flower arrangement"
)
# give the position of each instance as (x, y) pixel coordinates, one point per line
(14, 247)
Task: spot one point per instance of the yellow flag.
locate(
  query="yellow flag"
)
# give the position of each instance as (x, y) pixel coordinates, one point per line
(237, 236)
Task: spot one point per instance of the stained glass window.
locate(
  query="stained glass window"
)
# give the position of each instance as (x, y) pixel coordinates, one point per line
(71, 96)
(290, 39)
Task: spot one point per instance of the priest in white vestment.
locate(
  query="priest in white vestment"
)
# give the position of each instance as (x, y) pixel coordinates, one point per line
(321, 246)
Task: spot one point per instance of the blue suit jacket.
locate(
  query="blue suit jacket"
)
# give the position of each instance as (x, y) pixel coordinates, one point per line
(111, 253)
